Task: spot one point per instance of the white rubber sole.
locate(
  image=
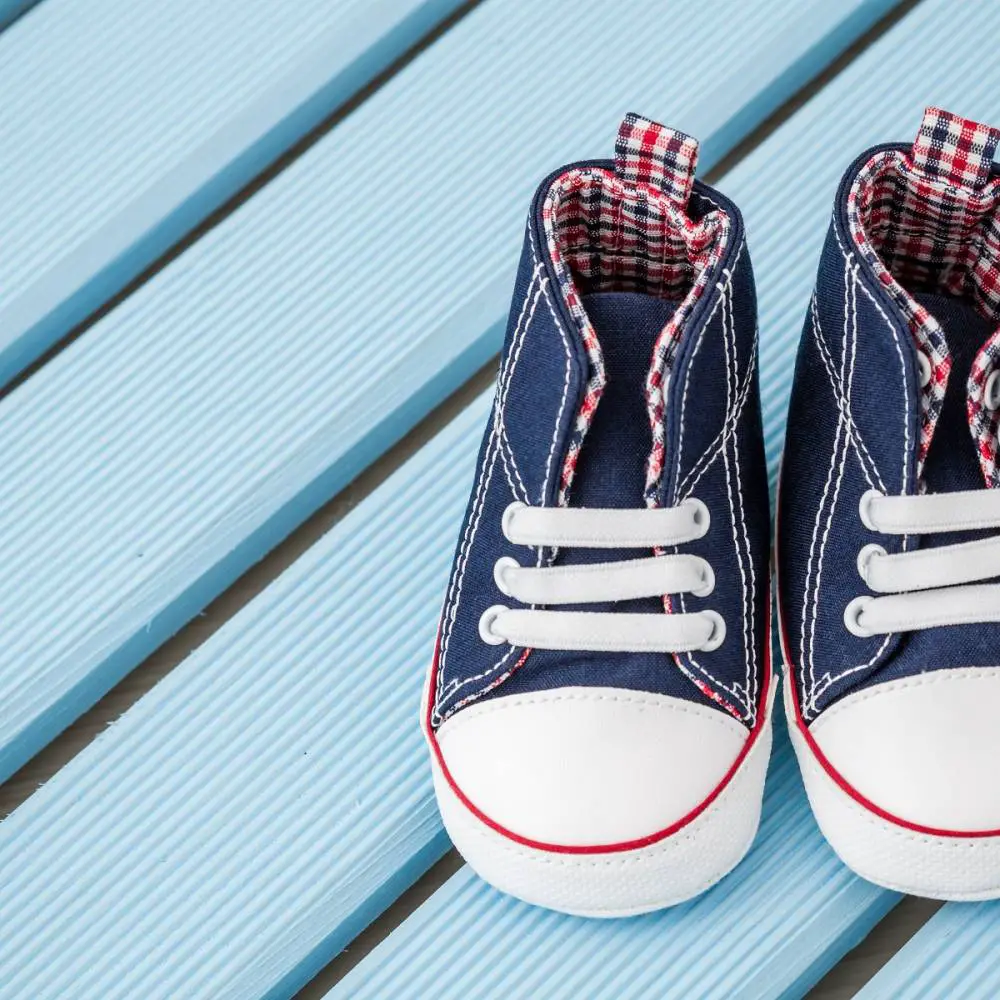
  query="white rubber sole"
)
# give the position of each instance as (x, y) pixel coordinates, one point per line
(962, 868)
(620, 883)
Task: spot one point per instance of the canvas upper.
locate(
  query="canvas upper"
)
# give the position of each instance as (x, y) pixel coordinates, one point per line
(890, 610)
(628, 381)
(663, 407)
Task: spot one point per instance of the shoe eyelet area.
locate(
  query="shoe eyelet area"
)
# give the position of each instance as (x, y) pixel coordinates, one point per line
(509, 512)
(991, 394)
(500, 570)
(718, 633)
(852, 617)
(486, 621)
(865, 556)
(700, 516)
(708, 582)
(865, 508)
(923, 363)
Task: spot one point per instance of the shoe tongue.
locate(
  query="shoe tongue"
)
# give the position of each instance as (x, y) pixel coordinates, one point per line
(612, 468)
(629, 231)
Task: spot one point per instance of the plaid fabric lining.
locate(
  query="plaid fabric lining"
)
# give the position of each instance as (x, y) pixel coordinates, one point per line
(928, 220)
(629, 230)
(984, 421)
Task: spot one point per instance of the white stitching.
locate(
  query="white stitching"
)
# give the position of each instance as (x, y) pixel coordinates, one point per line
(902, 362)
(562, 402)
(482, 487)
(458, 683)
(848, 353)
(687, 377)
(452, 612)
(811, 698)
(742, 693)
(508, 465)
(506, 449)
(714, 449)
(807, 619)
(748, 606)
(505, 379)
(638, 699)
(829, 679)
(844, 403)
(739, 693)
(843, 400)
(555, 428)
(732, 377)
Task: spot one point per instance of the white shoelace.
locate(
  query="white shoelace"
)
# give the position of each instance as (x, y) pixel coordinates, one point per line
(929, 587)
(652, 576)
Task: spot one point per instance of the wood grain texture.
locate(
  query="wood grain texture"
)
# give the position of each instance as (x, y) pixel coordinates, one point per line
(125, 125)
(247, 818)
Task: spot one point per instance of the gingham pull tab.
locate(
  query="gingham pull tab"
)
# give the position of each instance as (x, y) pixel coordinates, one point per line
(649, 153)
(954, 149)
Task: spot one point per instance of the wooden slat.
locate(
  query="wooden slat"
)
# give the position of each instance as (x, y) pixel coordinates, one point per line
(125, 124)
(180, 437)
(245, 819)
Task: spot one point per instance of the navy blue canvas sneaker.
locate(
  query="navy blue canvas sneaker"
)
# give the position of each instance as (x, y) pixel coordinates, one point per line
(598, 707)
(888, 557)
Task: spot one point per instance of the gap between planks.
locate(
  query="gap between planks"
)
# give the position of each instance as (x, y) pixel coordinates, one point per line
(842, 981)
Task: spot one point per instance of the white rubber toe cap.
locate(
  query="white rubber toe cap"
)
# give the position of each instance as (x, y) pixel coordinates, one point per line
(899, 781)
(599, 801)
(589, 766)
(924, 749)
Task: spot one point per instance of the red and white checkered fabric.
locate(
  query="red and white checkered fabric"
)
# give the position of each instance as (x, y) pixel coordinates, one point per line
(954, 149)
(629, 230)
(928, 220)
(662, 158)
(984, 420)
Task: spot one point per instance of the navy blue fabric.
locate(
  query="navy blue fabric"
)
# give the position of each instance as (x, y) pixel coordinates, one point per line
(853, 424)
(611, 473)
(952, 464)
(715, 452)
(542, 379)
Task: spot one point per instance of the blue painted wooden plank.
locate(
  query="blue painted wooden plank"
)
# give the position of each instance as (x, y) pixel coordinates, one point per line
(125, 125)
(242, 822)
(953, 955)
(770, 929)
(180, 437)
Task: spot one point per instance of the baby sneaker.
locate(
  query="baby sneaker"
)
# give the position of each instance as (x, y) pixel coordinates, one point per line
(889, 556)
(598, 706)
